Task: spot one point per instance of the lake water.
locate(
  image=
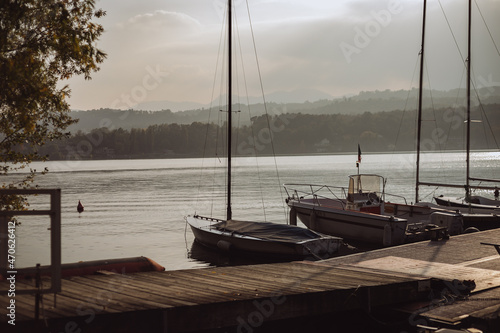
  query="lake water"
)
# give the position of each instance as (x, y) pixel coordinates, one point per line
(137, 207)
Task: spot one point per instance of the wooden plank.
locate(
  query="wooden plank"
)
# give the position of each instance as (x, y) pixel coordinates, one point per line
(215, 285)
(126, 295)
(313, 280)
(29, 307)
(350, 273)
(285, 283)
(376, 274)
(479, 304)
(255, 280)
(98, 297)
(483, 278)
(235, 281)
(147, 291)
(172, 296)
(203, 293)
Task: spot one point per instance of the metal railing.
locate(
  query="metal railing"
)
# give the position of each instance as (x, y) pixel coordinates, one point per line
(7, 235)
(314, 192)
(328, 192)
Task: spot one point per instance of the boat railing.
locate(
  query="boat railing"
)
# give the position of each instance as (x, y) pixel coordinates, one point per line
(337, 193)
(316, 192)
(396, 196)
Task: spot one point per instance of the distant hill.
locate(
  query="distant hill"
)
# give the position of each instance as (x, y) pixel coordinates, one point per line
(295, 96)
(373, 102)
(292, 133)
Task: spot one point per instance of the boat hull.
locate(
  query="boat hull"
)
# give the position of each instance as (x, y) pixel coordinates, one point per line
(466, 207)
(351, 225)
(322, 247)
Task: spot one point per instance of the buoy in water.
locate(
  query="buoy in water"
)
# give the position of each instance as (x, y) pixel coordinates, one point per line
(79, 208)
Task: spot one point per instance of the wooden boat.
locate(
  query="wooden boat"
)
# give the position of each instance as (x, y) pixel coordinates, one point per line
(251, 236)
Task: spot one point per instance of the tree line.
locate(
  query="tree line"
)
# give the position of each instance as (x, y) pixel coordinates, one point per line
(285, 134)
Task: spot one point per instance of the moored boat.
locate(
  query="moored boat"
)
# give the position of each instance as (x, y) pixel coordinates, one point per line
(264, 238)
(252, 236)
(361, 213)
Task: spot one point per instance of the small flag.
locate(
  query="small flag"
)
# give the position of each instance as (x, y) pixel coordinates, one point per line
(359, 154)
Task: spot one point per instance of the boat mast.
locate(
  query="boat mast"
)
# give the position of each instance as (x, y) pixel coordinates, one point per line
(229, 111)
(467, 188)
(420, 93)
(468, 121)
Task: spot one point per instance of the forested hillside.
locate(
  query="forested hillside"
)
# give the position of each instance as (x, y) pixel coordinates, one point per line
(292, 133)
(373, 102)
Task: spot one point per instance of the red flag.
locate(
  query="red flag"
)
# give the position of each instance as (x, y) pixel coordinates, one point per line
(359, 154)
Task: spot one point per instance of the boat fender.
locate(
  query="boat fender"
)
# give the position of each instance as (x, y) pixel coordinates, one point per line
(224, 245)
(293, 216)
(470, 230)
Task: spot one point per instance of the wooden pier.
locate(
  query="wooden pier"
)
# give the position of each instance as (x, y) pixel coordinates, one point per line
(192, 300)
(409, 280)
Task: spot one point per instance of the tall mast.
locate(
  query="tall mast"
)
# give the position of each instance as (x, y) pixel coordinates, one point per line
(467, 159)
(420, 93)
(229, 103)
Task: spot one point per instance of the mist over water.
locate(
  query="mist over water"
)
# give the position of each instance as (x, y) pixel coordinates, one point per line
(137, 207)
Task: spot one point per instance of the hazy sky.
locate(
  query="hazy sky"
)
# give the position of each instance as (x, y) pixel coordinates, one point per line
(168, 49)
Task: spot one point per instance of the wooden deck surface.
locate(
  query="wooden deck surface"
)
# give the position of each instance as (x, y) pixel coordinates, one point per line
(215, 297)
(461, 257)
(190, 300)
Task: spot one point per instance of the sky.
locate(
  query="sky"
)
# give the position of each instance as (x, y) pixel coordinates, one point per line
(170, 49)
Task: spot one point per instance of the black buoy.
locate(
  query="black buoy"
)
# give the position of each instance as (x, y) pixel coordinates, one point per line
(79, 208)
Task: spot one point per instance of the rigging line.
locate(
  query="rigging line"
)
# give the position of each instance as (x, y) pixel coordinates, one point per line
(237, 41)
(405, 108)
(455, 106)
(265, 108)
(451, 31)
(219, 131)
(485, 115)
(212, 99)
(253, 133)
(435, 119)
(487, 28)
(221, 136)
(433, 109)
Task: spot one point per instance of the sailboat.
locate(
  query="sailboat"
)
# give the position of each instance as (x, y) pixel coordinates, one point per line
(468, 204)
(360, 212)
(251, 237)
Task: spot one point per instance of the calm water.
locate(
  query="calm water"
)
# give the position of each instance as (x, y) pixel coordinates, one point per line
(137, 207)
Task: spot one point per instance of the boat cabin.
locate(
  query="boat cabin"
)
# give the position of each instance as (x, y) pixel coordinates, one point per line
(365, 192)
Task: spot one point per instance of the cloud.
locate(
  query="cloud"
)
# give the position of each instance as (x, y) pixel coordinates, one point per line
(298, 45)
(161, 20)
